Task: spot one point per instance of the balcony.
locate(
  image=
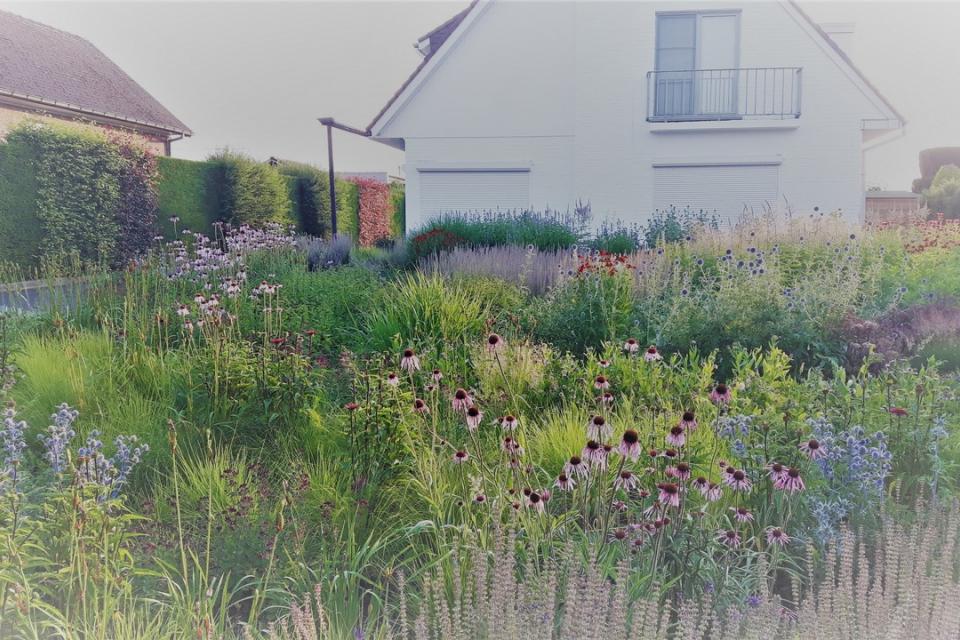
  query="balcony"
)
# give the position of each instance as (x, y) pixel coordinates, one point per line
(771, 93)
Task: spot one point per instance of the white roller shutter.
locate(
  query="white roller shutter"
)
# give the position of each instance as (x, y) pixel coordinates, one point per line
(465, 191)
(726, 190)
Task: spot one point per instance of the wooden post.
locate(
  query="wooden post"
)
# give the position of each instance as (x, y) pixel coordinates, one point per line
(333, 184)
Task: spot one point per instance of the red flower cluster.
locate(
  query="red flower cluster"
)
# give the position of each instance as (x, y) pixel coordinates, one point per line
(936, 233)
(604, 262)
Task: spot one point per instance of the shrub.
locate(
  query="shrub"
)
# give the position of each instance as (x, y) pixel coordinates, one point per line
(21, 232)
(348, 209)
(187, 189)
(250, 192)
(325, 254)
(313, 197)
(545, 230)
(674, 225)
(137, 209)
(373, 210)
(78, 190)
(398, 219)
(944, 192)
(433, 242)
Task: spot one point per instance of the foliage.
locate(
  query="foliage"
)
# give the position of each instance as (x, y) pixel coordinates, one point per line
(250, 192)
(374, 213)
(138, 206)
(943, 196)
(186, 189)
(674, 225)
(21, 233)
(78, 190)
(313, 197)
(398, 204)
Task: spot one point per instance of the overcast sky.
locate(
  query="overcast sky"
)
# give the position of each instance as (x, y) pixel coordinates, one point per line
(254, 76)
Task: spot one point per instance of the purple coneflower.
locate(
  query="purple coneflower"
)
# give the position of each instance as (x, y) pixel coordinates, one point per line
(494, 343)
(601, 383)
(677, 436)
(776, 536)
(461, 400)
(474, 416)
(631, 346)
(480, 498)
(604, 364)
(652, 355)
(460, 457)
(437, 375)
(606, 398)
(625, 480)
(813, 449)
(509, 423)
(713, 492)
(511, 446)
(729, 538)
(630, 445)
(790, 481)
(419, 406)
(598, 429)
(741, 514)
(535, 502)
(680, 471)
(737, 479)
(700, 484)
(351, 406)
(183, 311)
(575, 467)
(776, 471)
(669, 494)
(564, 482)
(688, 421)
(720, 394)
(594, 453)
(409, 362)
(393, 379)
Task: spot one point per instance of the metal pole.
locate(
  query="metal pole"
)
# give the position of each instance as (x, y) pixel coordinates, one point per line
(333, 184)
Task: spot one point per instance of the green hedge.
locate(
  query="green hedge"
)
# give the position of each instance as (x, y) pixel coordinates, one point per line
(186, 190)
(20, 229)
(398, 217)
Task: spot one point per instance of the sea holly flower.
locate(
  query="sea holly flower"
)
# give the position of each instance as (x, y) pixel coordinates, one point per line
(57, 440)
(14, 445)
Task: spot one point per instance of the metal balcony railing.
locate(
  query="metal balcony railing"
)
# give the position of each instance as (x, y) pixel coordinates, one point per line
(723, 94)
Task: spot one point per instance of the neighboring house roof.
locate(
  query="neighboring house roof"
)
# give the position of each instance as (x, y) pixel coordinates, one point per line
(440, 34)
(893, 194)
(51, 67)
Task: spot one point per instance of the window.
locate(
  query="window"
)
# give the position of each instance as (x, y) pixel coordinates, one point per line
(696, 63)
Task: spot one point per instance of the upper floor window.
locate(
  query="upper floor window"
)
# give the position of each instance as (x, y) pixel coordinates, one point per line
(696, 64)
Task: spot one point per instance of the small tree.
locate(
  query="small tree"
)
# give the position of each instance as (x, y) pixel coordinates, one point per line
(944, 192)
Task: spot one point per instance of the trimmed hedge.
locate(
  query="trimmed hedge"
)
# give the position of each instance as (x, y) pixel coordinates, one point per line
(398, 216)
(186, 189)
(20, 231)
(250, 192)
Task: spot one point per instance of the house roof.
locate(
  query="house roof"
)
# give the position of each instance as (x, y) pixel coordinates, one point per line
(441, 33)
(51, 67)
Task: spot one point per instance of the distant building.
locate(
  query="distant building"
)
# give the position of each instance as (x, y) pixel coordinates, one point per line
(51, 73)
(891, 205)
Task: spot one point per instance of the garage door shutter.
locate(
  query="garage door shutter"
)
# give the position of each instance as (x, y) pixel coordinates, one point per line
(465, 191)
(725, 190)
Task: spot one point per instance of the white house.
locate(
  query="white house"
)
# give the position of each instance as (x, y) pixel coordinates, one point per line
(634, 107)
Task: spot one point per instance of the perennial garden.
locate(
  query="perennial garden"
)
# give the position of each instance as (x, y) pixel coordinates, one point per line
(674, 432)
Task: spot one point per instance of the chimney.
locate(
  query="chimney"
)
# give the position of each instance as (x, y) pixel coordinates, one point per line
(842, 34)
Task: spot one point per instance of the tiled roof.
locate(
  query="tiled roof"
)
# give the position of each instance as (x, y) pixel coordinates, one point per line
(56, 68)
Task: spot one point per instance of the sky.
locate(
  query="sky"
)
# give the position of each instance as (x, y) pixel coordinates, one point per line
(255, 76)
